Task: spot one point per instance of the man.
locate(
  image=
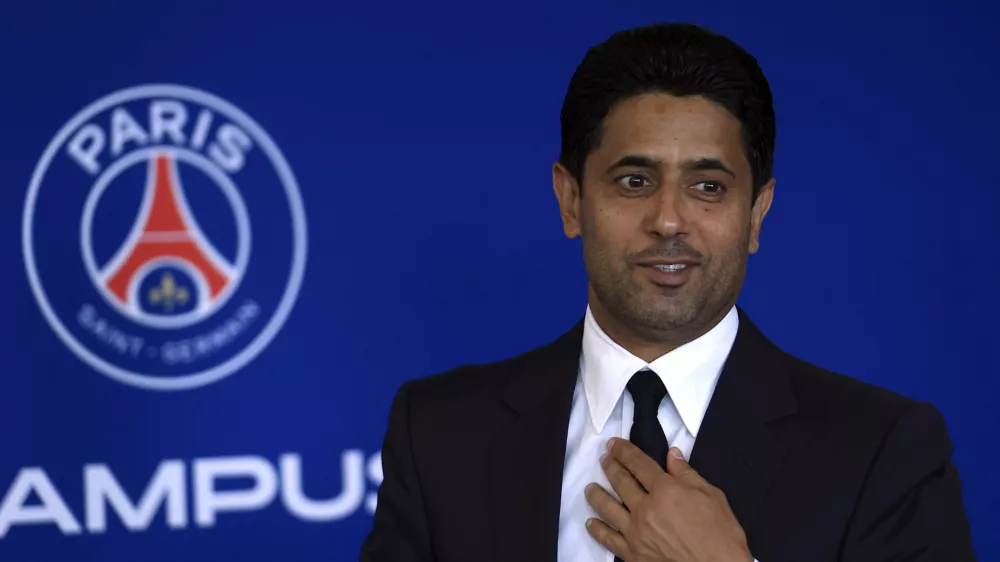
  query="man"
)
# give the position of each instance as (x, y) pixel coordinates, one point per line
(575, 451)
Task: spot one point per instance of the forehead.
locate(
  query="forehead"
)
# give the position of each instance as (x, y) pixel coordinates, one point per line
(672, 129)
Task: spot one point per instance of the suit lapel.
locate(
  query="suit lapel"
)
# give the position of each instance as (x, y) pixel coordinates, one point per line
(527, 455)
(735, 449)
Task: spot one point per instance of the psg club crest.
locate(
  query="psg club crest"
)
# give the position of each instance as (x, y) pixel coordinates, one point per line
(164, 237)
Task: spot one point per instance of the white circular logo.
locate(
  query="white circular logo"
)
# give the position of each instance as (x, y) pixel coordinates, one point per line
(137, 236)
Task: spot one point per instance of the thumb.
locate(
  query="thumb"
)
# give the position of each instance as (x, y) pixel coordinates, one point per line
(677, 466)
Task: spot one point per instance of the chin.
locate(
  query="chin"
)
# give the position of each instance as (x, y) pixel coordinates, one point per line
(667, 315)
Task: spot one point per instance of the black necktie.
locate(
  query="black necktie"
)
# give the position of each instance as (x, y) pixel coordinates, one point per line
(647, 392)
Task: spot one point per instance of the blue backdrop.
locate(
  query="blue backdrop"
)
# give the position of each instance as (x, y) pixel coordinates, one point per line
(366, 188)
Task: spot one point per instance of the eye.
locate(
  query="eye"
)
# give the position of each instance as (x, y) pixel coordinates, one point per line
(710, 187)
(634, 182)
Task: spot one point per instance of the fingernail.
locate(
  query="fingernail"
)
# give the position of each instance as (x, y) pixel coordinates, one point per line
(603, 456)
(611, 443)
(676, 453)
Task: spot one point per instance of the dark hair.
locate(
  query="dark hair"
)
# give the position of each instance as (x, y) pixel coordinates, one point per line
(673, 58)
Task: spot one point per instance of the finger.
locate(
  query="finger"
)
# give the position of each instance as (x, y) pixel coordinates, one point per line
(679, 468)
(642, 467)
(609, 538)
(624, 484)
(606, 506)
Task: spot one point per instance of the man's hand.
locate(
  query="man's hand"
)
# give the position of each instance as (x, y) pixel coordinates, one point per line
(673, 516)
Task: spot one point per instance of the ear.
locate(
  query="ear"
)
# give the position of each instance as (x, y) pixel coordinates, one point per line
(568, 193)
(759, 211)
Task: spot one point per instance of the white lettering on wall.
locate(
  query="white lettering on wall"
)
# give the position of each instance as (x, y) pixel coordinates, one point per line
(53, 509)
(167, 487)
(202, 499)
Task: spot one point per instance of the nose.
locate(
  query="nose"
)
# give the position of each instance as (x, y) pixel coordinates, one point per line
(666, 215)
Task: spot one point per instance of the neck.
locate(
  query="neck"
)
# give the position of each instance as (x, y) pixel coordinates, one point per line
(649, 343)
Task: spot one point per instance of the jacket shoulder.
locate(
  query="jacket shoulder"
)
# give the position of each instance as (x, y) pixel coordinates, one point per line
(854, 405)
(471, 387)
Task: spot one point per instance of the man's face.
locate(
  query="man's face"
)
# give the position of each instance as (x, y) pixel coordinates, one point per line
(665, 213)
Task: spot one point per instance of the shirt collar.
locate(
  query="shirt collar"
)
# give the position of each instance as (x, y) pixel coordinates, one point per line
(689, 372)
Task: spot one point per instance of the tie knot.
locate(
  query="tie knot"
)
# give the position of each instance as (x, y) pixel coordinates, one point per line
(647, 392)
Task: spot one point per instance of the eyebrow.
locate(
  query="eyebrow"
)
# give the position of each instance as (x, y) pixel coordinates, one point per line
(696, 164)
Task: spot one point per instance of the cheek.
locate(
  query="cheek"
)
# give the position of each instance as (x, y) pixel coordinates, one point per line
(606, 228)
(723, 231)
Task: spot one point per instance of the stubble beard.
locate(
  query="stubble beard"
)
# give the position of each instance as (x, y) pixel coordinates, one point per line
(673, 312)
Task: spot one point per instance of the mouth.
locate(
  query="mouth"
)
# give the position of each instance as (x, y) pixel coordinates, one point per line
(671, 267)
(668, 274)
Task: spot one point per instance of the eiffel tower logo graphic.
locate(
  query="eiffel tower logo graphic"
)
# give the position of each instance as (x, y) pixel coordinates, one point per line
(169, 236)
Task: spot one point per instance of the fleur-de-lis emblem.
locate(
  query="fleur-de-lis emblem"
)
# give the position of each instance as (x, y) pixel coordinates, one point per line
(168, 294)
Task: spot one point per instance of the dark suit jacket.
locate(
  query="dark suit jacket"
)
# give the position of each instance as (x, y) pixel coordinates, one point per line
(816, 466)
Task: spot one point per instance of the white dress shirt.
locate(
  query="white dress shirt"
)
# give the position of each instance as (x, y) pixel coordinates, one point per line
(602, 410)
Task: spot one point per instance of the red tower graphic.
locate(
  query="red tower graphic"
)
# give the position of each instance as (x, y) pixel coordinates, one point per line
(166, 234)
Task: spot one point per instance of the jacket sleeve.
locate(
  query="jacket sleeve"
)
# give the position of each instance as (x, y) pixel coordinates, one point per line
(910, 507)
(399, 532)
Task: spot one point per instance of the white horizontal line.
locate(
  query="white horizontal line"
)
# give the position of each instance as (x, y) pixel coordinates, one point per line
(165, 236)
